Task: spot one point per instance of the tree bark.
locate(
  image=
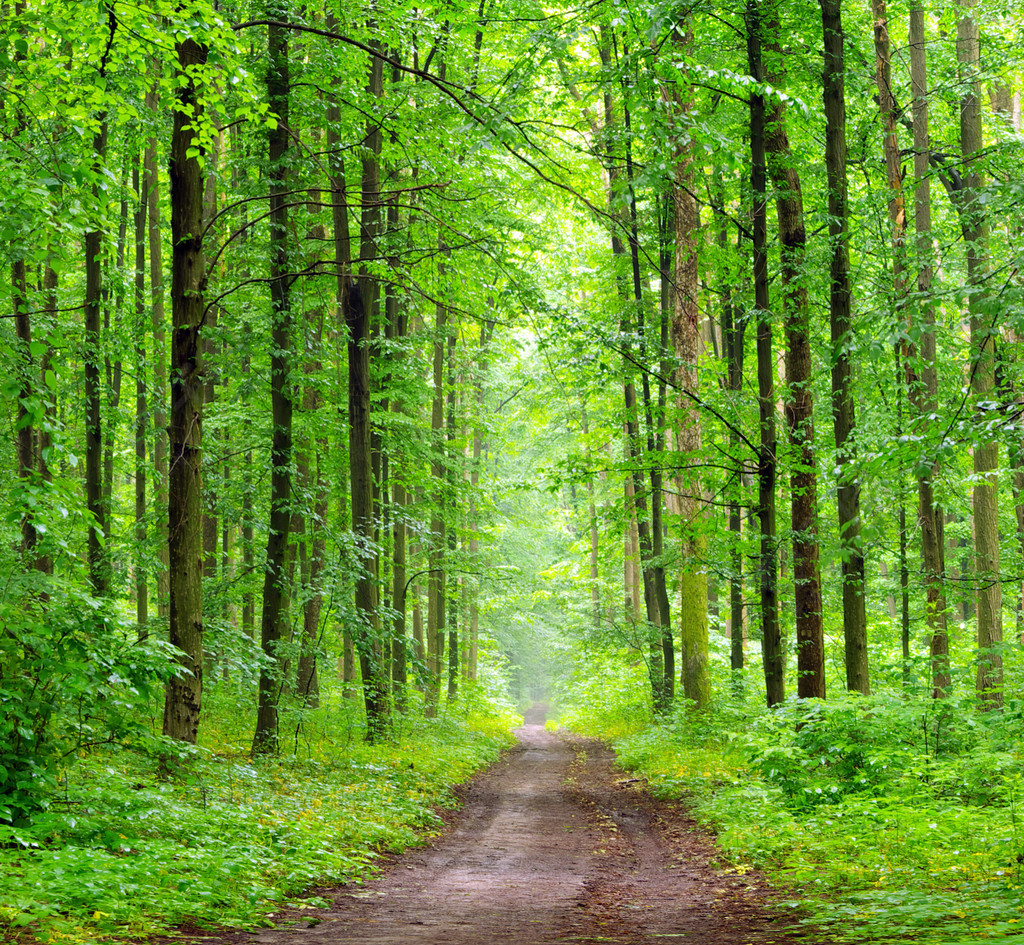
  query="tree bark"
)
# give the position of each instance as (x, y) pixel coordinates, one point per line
(983, 362)
(843, 405)
(889, 114)
(360, 303)
(436, 579)
(314, 548)
(188, 281)
(99, 575)
(151, 185)
(771, 631)
(799, 397)
(733, 330)
(275, 596)
(25, 445)
(685, 332)
(452, 612)
(141, 411)
(113, 365)
(399, 636)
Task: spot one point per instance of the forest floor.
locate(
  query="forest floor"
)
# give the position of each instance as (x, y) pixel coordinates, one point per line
(552, 844)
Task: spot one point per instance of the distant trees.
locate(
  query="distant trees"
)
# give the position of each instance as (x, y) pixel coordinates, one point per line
(390, 255)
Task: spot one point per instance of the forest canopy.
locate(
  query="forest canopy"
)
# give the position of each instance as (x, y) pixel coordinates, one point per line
(385, 359)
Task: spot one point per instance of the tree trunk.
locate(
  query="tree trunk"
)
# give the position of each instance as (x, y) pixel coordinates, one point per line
(645, 451)
(436, 579)
(113, 367)
(273, 618)
(772, 649)
(843, 405)
(685, 332)
(733, 330)
(312, 483)
(360, 303)
(799, 398)
(141, 411)
(983, 363)
(452, 613)
(151, 186)
(399, 637)
(25, 445)
(99, 574)
(188, 277)
(898, 223)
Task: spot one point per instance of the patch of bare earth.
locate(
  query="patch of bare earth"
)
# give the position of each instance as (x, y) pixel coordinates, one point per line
(551, 845)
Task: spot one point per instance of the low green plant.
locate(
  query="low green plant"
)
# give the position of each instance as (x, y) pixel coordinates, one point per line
(887, 819)
(607, 694)
(120, 850)
(73, 674)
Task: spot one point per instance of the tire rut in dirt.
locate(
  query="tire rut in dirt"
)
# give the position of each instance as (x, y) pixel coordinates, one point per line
(552, 845)
(656, 880)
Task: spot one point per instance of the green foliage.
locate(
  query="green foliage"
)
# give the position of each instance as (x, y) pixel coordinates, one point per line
(889, 818)
(72, 674)
(121, 850)
(606, 694)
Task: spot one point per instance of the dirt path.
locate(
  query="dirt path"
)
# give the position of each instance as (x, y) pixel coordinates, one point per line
(552, 845)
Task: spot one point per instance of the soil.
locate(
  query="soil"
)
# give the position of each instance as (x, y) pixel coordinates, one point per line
(552, 844)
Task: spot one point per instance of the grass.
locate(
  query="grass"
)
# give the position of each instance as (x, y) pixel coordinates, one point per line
(890, 819)
(121, 852)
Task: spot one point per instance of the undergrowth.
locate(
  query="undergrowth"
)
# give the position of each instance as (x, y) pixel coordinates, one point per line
(120, 850)
(887, 819)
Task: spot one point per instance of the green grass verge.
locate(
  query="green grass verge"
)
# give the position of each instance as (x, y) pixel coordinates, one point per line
(884, 820)
(120, 852)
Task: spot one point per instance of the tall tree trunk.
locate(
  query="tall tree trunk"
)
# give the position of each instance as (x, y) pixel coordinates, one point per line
(799, 398)
(141, 411)
(188, 277)
(213, 432)
(452, 613)
(25, 445)
(771, 632)
(983, 363)
(399, 637)
(733, 330)
(666, 312)
(275, 596)
(361, 302)
(343, 267)
(647, 451)
(925, 392)
(99, 573)
(686, 342)
(855, 630)
(113, 366)
(314, 548)
(898, 223)
(595, 586)
(151, 186)
(436, 579)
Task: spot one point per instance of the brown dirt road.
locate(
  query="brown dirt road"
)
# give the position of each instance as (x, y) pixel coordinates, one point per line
(551, 845)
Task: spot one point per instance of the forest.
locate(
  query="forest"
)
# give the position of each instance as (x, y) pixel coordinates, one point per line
(370, 375)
